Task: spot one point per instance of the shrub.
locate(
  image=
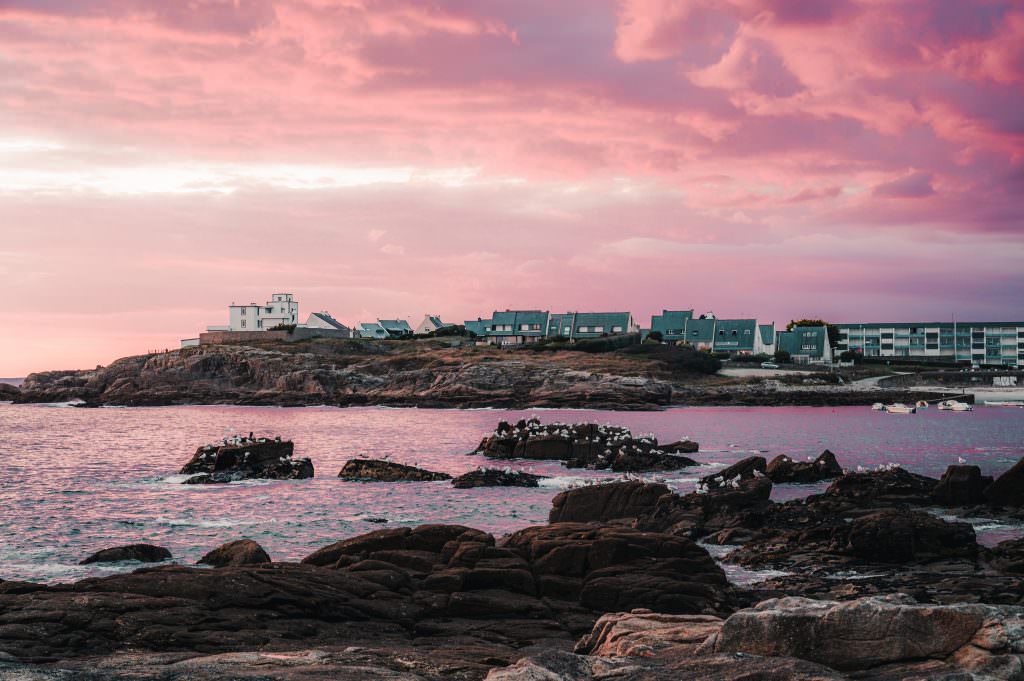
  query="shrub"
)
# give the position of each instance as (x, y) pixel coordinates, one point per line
(752, 359)
(655, 336)
(782, 357)
(849, 355)
(283, 327)
(679, 359)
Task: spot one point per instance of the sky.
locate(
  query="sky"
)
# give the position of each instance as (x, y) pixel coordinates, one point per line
(853, 160)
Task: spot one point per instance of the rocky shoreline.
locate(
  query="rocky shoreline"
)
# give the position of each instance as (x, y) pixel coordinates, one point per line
(407, 374)
(879, 580)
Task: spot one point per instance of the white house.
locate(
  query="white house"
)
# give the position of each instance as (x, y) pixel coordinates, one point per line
(282, 308)
(323, 320)
(430, 323)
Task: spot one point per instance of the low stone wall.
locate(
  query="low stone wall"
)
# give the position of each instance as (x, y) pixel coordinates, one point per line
(952, 379)
(220, 337)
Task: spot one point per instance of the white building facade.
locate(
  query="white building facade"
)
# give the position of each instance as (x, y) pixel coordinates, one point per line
(282, 308)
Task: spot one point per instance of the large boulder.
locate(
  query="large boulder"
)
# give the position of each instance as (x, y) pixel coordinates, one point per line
(585, 445)
(630, 499)
(784, 469)
(883, 487)
(238, 552)
(897, 536)
(387, 471)
(246, 458)
(145, 553)
(642, 633)
(961, 486)
(1008, 488)
(495, 477)
(875, 631)
(751, 467)
(618, 568)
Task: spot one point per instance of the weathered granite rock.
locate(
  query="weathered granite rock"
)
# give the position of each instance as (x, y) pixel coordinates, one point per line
(630, 499)
(961, 486)
(1007, 556)
(9, 392)
(146, 553)
(681, 447)
(897, 536)
(872, 632)
(751, 467)
(582, 445)
(238, 552)
(783, 469)
(1008, 488)
(494, 477)
(246, 458)
(642, 633)
(884, 487)
(386, 471)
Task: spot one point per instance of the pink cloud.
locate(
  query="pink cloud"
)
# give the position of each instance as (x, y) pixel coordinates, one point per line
(410, 150)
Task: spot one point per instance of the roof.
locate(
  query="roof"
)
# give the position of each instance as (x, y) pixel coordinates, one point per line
(436, 321)
(735, 334)
(671, 322)
(395, 325)
(516, 318)
(477, 326)
(575, 320)
(700, 330)
(371, 330)
(794, 341)
(767, 332)
(328, 319)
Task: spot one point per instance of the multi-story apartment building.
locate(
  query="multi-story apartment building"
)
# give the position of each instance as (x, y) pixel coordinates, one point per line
(999, 343)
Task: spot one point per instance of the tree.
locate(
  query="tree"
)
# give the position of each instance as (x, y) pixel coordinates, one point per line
(782, 357)
(849, 355)
(655, 336)
(833, 330)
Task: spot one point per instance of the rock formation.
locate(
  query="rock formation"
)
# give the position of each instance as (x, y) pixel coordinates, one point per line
(385, 471)
(784, 469)
(238, 552)
(494, 477)
(145, 553)
(246, 458)
(581, 445)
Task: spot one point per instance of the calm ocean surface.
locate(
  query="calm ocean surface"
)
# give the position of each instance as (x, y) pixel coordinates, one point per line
(78, 480)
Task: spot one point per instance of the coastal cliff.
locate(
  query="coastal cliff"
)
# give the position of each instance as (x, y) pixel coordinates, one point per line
(421, 374)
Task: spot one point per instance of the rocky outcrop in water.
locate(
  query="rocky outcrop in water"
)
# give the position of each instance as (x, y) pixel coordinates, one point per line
(732, 476)
(961, 486)
(783, 469)
(361, 470)
(1008, 488)
(233, 553)
(145, 553)
(494, 477)
(246, 458)
(582, 445)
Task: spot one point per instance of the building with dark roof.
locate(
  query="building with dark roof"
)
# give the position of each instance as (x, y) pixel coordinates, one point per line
(805, 344)
(578, 325)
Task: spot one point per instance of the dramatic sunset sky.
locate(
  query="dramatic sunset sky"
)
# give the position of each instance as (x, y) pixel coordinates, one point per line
(852, 160)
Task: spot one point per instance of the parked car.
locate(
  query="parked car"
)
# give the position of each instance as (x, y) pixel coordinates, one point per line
(769, 365)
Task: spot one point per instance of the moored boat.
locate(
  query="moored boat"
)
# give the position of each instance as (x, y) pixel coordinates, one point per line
(878, 406)
(921, 404)
(955, 405)
(900, 408)
(1004, 403)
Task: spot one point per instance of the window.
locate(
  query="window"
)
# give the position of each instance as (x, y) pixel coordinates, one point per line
(807, 347)
(746, 332)
(721, 332)
(616, 329)
(243, 323)
(243, 310)
(259, 323)
(695, 332)
(524, 327)
(734, 332)
(582, 329)
(598, 329)
(566, 330)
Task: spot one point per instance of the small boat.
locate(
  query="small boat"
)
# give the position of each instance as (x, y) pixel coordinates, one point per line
(1004, 403)
(955, 405)
(900, 408)
(878, 406)
(921, 404)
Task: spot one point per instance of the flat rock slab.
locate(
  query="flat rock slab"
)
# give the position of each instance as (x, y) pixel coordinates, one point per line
(146, 553)
(376, 470)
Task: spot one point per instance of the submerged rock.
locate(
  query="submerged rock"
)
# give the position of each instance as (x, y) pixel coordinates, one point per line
(387, 471)
(584, 445)
(1008, 488)
(246, 458)
(146, 553)
(238, 552)
(494, 477)
(783, 469)
(961, 486)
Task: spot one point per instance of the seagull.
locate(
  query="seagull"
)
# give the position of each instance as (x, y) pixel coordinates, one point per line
(961, 459)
